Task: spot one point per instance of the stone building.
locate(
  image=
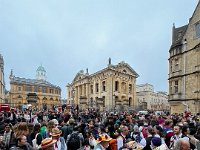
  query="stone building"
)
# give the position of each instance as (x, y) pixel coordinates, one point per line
(111, 88)
(2, 81)
(38, 92)
(150, 100)
(184, 66)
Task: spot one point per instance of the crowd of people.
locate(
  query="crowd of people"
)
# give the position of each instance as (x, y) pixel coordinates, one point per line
(94, 130)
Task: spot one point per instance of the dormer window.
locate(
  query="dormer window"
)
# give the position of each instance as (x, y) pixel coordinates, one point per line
(197, 29)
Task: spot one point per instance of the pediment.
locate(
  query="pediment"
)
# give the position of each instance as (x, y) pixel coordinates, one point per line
(80, 75)
(126, 68)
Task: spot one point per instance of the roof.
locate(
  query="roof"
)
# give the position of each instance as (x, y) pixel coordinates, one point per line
(82, 75)
(19, 80)
(178, 34)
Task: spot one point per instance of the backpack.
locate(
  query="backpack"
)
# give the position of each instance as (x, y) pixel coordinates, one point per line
(74, 142)
(34, 142)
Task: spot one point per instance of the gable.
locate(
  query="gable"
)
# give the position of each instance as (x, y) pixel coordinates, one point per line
(191, 35)
(80, 75)
(126, 68)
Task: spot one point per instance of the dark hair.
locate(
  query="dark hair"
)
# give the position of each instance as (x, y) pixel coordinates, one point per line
(37, 128)
(193, 131)
(184, 129)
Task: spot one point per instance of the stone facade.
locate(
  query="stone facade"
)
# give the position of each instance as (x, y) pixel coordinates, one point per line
(150, 100)
(113, 88)
(38, 92)
(184, 66)
(2, 81)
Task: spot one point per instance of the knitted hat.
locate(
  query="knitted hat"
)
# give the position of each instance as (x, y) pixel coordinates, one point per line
(156, 141)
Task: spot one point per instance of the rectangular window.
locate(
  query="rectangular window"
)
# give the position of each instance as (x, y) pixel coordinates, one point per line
(104, 86)
(116, 85)
(97, 87)
(51, 91)
(19, 88)
(197, 29)
(28, 88)
(44, 90)
(35, 89)
(91, 89)
(130, 89)
(176, 87)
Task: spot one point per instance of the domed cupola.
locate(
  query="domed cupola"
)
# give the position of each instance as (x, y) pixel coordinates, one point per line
(41, 73)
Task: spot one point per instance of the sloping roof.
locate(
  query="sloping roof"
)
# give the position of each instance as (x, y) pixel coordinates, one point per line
(178, 34)
(19, 80)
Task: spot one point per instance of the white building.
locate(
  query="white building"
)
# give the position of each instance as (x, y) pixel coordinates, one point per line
(148, 99)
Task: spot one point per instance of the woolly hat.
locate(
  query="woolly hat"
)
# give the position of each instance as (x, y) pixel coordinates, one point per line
(156, 141)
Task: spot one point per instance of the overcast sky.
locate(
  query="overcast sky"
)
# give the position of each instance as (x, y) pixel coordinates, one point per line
(66, 36)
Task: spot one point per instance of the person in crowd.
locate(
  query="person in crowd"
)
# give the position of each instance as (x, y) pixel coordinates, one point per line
(75, 140)
(177, 135)
(36, 137)
(2, 125)
(67, 128)
(60, 141)
(8, 136)
(22, 144)
(121, 139)
(182, 144)
(21, 129)
(13, 117)
(185, 133)
(103, 142)
(47, 144)
(50, 126)
(137, 136)
(168, 132)
(151, 134)
(156, 144)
